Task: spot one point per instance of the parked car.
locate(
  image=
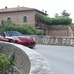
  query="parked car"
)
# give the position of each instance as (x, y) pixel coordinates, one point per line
(17, 37)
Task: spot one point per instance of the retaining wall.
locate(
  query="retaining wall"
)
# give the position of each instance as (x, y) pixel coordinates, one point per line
(27, 61)
(55, 40)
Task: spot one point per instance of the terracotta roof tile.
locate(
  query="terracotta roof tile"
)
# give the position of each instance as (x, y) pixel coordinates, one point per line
(16, 9)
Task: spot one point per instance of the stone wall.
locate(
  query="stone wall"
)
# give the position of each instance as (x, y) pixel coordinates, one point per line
(21, 60)
(60, 30)
(26, 60)
(55, 40)
(55, 30)
(73, 30)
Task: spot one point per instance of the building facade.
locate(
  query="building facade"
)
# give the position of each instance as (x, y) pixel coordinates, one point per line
(19, 15)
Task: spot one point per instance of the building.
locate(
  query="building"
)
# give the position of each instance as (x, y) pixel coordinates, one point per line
(20, 15)
(25, 15)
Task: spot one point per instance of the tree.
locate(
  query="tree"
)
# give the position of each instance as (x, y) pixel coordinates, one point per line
(56, 15)
(65, 13)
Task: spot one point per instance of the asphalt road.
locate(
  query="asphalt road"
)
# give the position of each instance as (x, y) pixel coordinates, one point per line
(61, 58)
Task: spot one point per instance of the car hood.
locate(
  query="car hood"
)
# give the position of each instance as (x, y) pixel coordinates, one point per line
(22, 38)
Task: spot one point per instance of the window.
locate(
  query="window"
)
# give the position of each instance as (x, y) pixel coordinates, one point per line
(24, 19)
(9, 18)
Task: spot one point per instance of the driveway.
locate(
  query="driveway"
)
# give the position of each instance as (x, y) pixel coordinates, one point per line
(61, 58)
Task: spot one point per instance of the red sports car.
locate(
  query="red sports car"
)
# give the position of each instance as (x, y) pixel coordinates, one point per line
(17, 37)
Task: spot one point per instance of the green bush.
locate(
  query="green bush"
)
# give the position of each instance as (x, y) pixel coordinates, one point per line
(62, 20)
(4, 63)
(39, 32)
(24, 29)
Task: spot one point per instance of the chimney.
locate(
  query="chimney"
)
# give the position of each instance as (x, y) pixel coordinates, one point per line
(5, 7)
(46, 12)
(18, 5)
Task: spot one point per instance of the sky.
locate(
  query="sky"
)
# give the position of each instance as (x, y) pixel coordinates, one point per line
(51, 6)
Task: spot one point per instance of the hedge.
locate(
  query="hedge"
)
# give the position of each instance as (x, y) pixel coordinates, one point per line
(62, 20)
(24, 29)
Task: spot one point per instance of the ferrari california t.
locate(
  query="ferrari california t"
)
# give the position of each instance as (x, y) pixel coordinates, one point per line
(17, 37)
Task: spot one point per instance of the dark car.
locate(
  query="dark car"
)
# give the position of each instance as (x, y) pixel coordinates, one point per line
(17, 37)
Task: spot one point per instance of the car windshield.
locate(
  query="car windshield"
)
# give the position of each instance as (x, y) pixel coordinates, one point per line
(13, 33)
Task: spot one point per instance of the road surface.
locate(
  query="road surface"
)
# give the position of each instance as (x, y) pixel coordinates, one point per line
(61, 58)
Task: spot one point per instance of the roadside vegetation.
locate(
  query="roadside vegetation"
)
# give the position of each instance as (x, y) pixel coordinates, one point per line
(24, 29)
(64, 19)
(6, 63)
